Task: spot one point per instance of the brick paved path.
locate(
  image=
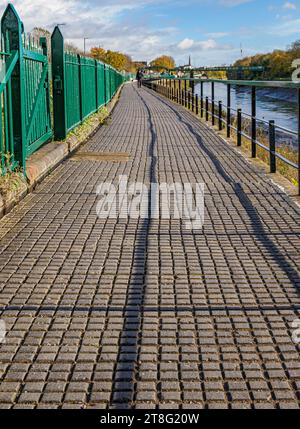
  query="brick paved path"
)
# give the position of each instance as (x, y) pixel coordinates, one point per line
(107, 313)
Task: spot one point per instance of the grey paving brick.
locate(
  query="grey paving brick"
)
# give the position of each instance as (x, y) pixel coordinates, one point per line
(132, 313)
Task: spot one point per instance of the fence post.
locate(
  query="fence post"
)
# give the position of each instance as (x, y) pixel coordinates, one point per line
(253, 122)
(197, 104)
(213, 103)
(272, 140)
(220, 116)
(81, 88)
(206, 109)
(12, 26)
(104, 83)
(59, 90)
(228, 110)
(202, 101)
(96, 84)
(180, 92)
(239, 127)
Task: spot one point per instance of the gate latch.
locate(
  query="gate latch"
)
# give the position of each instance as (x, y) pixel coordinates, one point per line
(58, 86)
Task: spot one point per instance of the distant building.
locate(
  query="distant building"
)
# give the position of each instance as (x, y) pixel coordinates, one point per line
(189, 65)
(182, 70)
(140, 64)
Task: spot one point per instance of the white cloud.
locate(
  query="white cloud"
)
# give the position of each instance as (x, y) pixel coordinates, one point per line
(289, 5)
(186, 44)
(201, 45)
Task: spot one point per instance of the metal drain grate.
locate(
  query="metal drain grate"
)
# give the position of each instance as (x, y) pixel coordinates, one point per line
(105, 156)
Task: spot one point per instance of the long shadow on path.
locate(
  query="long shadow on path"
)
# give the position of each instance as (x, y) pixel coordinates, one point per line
(126, 369)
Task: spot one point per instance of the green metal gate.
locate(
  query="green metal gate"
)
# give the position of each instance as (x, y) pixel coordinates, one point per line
(81, 85)
(37, 95)
(24, 93)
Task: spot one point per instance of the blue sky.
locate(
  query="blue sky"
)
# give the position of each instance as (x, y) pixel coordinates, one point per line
(212, 31)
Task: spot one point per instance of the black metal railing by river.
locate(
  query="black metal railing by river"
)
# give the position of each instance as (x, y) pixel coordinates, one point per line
(182, 91)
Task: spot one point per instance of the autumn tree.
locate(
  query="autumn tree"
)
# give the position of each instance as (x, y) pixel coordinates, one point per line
(98, 53)
(277, 64)
(163, 62)
(115, 59)
(118, 60)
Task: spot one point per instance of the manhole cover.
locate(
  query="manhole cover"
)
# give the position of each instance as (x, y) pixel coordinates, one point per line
(105, 156)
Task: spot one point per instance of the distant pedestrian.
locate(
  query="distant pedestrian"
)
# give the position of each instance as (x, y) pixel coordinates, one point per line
(139, 77)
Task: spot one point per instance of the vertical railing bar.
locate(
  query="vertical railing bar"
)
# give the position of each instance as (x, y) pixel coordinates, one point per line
(104, 82)
(220, 116)
(228, 110)
(213, 103)
(272, 142)
(202, 101)
(80, 86)
(253, 122)
(239, 127)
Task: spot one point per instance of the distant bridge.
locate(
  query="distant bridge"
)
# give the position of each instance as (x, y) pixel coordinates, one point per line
(226, 68)
(233, 72)
(207, 69)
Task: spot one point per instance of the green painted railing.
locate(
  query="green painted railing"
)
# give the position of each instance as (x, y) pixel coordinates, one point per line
(81, 86)
(244, 125)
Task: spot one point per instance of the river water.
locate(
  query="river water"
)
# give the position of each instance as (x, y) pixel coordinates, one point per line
(278, 104)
